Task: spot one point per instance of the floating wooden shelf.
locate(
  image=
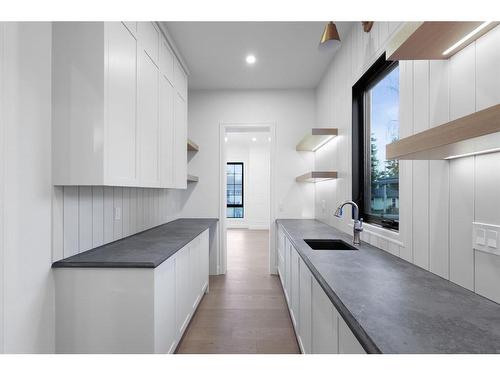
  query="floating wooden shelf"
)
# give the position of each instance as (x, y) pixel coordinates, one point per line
(428, 40)
(317, 138)
(477, 133)
(191, 146)
(191, 178)
(316, 176)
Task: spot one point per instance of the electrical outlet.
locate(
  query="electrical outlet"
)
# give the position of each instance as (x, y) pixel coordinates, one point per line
(485, 238)
(118, 213)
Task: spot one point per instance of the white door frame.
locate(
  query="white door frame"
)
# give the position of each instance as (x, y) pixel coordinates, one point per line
(222, 258)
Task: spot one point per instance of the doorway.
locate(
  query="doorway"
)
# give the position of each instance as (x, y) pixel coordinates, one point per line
(247, 187)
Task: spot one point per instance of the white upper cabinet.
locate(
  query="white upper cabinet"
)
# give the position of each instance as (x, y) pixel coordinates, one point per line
(180, 142)
(149, 37)
(166, 132)
(180, 80)
(148, 121)
(119, 106)
(167, 61)
(121, 109)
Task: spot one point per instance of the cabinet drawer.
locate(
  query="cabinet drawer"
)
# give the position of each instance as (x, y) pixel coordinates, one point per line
(149, 39)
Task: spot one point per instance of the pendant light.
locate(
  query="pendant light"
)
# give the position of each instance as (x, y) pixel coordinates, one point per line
(330, 36)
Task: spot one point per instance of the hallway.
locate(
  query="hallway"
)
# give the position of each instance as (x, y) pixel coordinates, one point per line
(245, 310)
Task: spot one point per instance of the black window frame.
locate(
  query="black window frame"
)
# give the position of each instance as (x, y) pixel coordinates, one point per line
(380, 68)
(242, 205)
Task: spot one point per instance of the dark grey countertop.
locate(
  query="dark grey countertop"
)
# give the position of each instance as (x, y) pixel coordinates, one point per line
(146, 249)
(393, 306)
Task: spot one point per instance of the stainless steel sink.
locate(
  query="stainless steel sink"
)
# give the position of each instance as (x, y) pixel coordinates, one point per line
(317, 244)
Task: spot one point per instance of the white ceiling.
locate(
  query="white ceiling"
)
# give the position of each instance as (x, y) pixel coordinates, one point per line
(287, 53)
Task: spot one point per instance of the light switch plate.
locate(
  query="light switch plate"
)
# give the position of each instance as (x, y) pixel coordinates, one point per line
(485, 238)
(491, 237)
(118, 213)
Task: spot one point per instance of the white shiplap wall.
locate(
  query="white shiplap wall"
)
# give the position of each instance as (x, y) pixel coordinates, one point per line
(439, 199)
(85, 217)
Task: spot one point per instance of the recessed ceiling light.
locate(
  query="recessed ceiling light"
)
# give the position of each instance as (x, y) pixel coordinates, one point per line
(225, 139)
(250, 59)
(254, 139)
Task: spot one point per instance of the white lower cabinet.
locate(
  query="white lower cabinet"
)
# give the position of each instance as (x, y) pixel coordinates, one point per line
(294, 281)
(348, 343)
(319, 327)
(287, 273)
(305, 308)
(130, 310)
(325, 318)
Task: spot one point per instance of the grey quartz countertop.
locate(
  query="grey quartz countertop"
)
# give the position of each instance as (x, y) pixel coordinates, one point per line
(393, 306)
(146, 249)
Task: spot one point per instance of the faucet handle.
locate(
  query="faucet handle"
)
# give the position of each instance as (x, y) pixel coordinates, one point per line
(358, 225)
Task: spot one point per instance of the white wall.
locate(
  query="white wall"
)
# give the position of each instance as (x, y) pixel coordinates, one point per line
(293, 112)
(27, 307)
(439, 199)
(255, 156)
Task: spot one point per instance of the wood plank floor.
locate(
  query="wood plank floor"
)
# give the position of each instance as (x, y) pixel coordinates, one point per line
(245, 310)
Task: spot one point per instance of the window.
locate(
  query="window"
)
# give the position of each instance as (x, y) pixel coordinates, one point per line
(234, 190)
(376, 124)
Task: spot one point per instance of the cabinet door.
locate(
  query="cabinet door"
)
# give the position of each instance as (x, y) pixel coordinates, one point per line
(305, 312)
(166, 61)
(287, 272)
(295, 293)
(121, 82)
(166, 133)
(180, 143)
(324, 322)
(348, 343)
(165, 311)
(195, 273)
(180, 80)
(149, 38)
(148, 125)
(205, 250)
(182, 289)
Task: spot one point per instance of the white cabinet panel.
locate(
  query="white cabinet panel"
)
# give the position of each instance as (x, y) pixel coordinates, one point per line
(288, 261)
(180, 80)
(439, 203)
(305, 291)
(165, 323)
(149, 37)
(147, 115)
(205, 260)
(463, 82)
(180, 142)
(461, 218)
(121, 101)
(348, 343)
(487, 186)
(488, 69)
(195, 275)
(182, 287)
(166, 133)
(166, 61)
(421, 167)
(324, 322)
(295, 292)
(487, 275)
